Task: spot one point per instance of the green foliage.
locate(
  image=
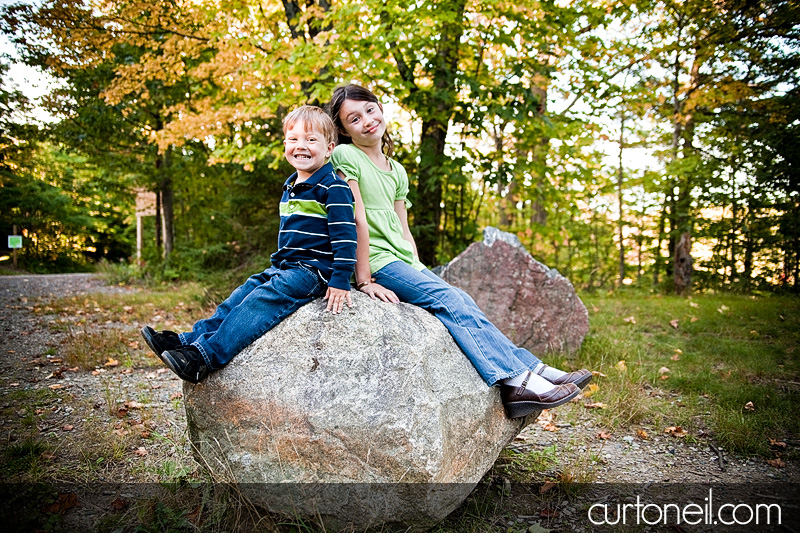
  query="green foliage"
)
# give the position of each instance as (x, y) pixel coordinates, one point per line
(525, 115)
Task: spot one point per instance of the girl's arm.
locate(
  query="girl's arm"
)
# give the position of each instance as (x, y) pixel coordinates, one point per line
(363, 273)
(402, 214)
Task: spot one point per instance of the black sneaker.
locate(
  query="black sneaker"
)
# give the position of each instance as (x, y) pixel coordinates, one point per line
(162, 341)
(187, 362)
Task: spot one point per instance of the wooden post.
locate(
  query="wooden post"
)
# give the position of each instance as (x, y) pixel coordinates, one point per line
(138, 237)
(14, 250)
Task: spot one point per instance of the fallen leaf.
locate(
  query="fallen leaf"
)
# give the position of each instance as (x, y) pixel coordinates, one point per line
(140, 451)
(676, 357)
(663, 370)
(777, 463)
(591, 389)
(67, 427)
(547, 486)
(65, 502)
(597, 374)
(722, 308)
(595, 405)
(111, 362)
(134, 405)
(176, 395)
(119, 504)
(665, 376)
(537, 528)
(145, 434)
(630, 320)
(120, 432)
(777, 444)
(56, 386)
(674, 323)
(749, 406)
(604, 435)
(621, 366)
(676, 431)
(642, 434)
(694, 304)
(694, 319)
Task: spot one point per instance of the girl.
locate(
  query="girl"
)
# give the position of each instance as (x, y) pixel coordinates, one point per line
(388, 267)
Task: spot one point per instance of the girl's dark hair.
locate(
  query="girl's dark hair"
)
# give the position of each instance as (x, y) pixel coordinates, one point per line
(354, 92)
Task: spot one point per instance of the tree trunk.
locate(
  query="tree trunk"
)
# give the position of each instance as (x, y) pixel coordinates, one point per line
(683, 265)
(167, 200)
(436, 112)
(158, 220)
(621, 223)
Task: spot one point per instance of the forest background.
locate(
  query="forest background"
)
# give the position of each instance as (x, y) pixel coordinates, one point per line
(598, 132)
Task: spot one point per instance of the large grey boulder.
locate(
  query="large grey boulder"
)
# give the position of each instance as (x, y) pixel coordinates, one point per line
(533, 305)
(370, 418)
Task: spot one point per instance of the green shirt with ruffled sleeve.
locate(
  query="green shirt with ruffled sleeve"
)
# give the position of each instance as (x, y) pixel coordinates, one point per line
(380, 189)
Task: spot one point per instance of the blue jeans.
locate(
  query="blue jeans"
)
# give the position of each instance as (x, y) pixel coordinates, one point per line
(492, 354)
(251, 310)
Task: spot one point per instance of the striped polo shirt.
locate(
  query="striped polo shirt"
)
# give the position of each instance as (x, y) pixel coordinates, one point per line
(318, 227)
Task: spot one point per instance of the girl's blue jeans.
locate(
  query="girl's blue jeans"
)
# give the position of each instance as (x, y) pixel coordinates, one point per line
(492, 354)
(253, 309)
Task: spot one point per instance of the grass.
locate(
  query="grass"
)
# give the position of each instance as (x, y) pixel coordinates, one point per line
(719, 363)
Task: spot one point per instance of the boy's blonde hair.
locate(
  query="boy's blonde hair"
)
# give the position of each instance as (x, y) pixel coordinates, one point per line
(312, 117)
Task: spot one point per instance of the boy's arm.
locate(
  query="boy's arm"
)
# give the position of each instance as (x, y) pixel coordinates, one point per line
(342, 232)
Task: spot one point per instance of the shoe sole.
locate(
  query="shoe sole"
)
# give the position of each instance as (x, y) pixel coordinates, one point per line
(582, 383)
(164, 356)
(524, 408)
(147, 333)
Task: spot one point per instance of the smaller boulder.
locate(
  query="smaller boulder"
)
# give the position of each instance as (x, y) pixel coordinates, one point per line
(533, 305)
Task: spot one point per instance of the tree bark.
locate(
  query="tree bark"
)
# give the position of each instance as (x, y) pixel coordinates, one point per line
(683, 265)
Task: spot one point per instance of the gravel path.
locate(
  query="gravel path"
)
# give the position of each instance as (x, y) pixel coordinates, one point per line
(75, 413)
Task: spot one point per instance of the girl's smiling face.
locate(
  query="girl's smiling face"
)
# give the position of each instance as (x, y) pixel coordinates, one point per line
(363, 122)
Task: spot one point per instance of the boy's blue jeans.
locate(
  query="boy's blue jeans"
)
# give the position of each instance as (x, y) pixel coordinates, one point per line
(492, 354)
(253, 309)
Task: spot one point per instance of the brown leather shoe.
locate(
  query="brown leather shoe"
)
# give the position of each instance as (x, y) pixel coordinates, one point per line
(520, 401)
(581, 377)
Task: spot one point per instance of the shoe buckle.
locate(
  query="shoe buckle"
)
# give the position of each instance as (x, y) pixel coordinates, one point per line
(524, 384)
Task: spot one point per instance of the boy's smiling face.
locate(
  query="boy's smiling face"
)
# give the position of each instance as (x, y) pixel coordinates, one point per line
(306, 149)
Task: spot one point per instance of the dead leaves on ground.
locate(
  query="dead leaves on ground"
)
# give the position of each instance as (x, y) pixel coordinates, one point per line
(676, 431)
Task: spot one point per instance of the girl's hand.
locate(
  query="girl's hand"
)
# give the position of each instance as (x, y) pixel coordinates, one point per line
(336, 300)
(376, 291)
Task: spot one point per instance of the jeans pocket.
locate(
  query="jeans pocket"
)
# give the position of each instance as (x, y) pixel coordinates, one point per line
(316, 283)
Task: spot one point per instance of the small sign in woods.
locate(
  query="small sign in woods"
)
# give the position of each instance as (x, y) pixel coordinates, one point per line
(145, 203)
(15, 241)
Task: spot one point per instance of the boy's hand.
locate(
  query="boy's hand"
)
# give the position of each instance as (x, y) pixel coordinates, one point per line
(336, 299)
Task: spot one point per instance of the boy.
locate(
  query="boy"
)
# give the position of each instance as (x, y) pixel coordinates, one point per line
(316, 247)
